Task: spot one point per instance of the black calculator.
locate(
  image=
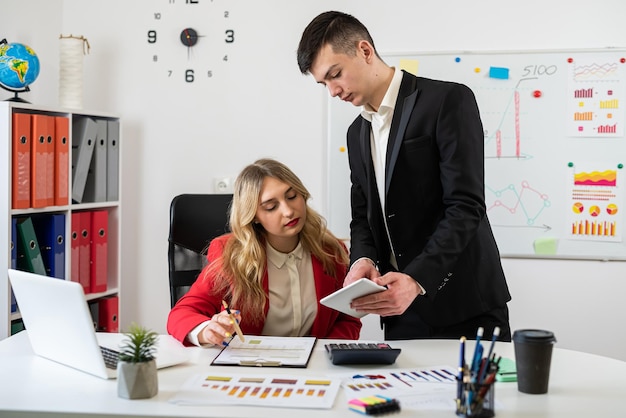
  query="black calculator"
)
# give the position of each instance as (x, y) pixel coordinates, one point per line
(362, 353)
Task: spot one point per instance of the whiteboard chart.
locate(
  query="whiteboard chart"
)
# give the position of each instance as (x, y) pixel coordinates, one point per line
(554, 147)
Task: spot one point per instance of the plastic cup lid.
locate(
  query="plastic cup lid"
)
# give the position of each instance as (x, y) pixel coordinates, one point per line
(533, 336)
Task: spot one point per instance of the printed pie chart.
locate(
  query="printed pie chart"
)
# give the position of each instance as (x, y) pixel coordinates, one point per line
(578, 207)
(611, 209)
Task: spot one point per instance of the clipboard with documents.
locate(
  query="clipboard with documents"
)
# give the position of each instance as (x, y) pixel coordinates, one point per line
(266, 351)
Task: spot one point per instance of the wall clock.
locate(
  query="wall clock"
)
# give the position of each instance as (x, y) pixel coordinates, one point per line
(190, 40)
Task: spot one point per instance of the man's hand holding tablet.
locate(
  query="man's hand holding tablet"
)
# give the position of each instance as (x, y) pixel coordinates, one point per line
(340, 300)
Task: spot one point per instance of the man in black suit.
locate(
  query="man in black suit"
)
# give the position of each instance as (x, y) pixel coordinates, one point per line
(419, 223)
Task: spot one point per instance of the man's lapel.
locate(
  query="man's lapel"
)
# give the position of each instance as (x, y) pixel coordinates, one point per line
(366, 150)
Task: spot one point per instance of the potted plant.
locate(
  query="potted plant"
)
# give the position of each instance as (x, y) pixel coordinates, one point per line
(136, 368)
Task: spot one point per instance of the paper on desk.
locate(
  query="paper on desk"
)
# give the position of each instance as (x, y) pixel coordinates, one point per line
(267, 351)
(258, 390)
(419, 389)
(391, 382)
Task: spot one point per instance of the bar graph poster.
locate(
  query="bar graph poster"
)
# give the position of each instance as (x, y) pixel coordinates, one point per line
(547, 116)
(595, 91)
(596, 201)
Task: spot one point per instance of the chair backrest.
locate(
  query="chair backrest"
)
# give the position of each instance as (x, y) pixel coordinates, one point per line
(195, 219)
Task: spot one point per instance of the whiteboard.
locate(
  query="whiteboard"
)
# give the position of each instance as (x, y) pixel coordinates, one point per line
(554, 147)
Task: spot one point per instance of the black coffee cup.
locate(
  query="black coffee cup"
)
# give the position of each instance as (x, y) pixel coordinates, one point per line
(533, 355)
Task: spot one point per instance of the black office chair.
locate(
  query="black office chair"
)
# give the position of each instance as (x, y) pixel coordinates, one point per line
(195, 219)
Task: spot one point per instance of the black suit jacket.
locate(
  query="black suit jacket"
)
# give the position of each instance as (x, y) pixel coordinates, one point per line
(435, 206)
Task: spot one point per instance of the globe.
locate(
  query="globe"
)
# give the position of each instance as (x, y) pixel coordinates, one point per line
(19, 66)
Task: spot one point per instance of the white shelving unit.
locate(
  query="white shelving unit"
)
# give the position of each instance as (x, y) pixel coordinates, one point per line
(7, 212)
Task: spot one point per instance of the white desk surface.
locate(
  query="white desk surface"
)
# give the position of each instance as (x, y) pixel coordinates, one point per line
(581, 385)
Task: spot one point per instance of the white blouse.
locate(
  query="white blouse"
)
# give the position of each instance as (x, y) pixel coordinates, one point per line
(292, 297)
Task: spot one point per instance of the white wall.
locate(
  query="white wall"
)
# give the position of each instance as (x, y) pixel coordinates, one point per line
(178, 138)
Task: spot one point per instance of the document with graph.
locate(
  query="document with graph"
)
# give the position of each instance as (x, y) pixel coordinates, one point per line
(258, 390)
(267, 352)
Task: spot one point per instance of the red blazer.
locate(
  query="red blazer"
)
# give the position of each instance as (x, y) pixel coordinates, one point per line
(198, 305)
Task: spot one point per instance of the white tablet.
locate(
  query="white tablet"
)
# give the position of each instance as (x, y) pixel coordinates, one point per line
(340, 300)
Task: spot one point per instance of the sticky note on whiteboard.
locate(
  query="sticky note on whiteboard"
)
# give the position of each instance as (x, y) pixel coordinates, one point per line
(546, 245)
(499, 72)
(408, 65)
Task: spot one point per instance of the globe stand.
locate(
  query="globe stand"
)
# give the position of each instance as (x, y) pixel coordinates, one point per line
(16, 98)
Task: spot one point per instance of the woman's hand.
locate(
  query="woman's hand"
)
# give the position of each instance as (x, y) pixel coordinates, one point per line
(219, 330)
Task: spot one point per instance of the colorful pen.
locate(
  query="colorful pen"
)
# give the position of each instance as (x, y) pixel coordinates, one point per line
(496, 334)
(235, 323)
(478, 351)
(459, 394)
(483, 371)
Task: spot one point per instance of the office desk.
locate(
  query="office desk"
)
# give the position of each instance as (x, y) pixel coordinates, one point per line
(581, 385)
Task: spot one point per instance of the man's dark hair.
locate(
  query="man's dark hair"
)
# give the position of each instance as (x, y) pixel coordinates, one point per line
(340, 30)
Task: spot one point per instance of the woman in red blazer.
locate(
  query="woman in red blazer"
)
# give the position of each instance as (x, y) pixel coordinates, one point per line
(273, 269)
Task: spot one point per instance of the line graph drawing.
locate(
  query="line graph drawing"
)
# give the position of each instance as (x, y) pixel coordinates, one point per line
(595, 71)
(518, 201)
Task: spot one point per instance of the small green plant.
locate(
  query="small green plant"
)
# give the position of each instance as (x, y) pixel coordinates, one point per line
(140, 346)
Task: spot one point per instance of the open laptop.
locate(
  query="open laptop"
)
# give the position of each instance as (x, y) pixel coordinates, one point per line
(60, 327)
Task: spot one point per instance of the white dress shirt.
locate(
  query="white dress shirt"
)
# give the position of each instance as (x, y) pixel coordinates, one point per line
(379, 138)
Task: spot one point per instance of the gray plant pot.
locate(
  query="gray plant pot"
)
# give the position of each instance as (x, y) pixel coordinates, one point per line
(137, 380)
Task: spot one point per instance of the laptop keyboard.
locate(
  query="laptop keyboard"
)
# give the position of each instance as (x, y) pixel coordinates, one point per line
(110, 357)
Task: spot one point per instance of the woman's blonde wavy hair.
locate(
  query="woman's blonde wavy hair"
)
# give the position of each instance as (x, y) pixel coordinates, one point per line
(238, 273)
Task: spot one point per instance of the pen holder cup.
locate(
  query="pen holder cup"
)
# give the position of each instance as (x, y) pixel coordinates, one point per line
(477, 400)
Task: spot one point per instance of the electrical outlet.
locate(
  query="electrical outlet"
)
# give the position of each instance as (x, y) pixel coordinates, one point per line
(223, 185)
